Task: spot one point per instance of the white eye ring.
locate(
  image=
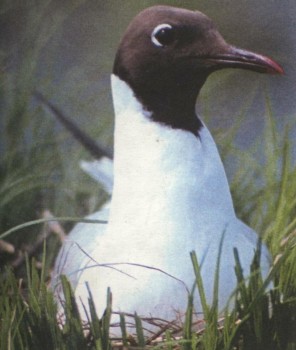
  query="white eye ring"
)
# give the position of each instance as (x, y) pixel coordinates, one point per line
(156, 30)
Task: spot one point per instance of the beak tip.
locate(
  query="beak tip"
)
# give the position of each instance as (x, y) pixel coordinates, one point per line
(275, 68)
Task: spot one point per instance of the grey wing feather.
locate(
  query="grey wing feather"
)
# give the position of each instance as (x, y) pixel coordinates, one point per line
(76, 250)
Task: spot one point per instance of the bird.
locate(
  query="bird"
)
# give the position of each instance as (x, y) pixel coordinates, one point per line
(170, 194)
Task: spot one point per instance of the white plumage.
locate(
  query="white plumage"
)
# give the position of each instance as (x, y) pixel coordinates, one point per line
(170, 194)
(170, 197)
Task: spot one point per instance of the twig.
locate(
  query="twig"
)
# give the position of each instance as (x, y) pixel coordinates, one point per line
(87, 142)
(50, 228)
(6, 247)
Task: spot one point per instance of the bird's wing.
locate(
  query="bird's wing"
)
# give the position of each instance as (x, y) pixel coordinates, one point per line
(75, 253)
(245, 240)
(101, 171)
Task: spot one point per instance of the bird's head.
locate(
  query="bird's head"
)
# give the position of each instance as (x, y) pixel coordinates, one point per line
(167, 53)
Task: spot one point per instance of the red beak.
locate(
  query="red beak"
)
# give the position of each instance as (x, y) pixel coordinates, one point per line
(238, 58)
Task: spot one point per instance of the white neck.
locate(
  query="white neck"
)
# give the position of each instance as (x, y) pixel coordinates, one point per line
(165, 179)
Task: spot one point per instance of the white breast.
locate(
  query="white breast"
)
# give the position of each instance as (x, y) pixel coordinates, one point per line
(167, 181)
(170, 197)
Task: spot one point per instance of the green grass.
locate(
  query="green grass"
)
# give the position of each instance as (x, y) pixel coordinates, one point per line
(36, 171)
(259, 319)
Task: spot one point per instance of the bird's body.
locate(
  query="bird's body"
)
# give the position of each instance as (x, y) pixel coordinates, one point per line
(171, 194)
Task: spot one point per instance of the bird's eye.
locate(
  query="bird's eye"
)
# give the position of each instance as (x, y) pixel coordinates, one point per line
(163, 35)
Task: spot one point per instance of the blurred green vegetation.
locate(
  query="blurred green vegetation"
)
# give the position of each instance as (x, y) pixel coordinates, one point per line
(38, 165)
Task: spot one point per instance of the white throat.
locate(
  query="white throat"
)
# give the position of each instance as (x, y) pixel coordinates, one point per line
(167, 181)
